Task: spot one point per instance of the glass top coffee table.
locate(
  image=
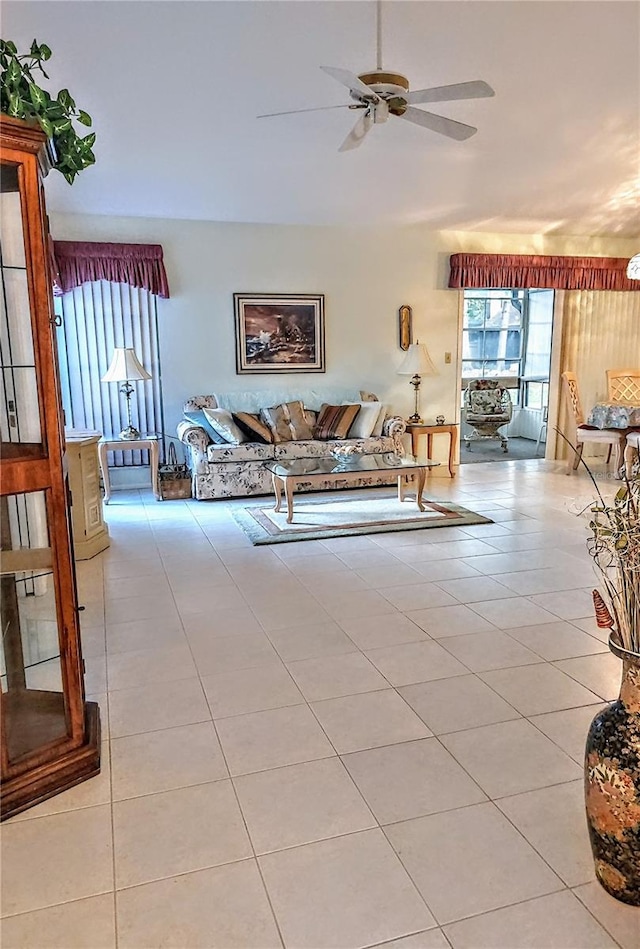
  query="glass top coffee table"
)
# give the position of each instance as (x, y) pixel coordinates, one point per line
(289, 474)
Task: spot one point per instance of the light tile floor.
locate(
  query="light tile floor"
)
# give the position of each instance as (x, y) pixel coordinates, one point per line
(356, 742)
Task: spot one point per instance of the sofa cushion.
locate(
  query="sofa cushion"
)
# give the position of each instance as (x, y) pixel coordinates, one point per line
(366, 420)
(288, 451)
(200, 419)
(222, 422)
(287, 421)
(334, 421)
(253, 427)
(250, 451)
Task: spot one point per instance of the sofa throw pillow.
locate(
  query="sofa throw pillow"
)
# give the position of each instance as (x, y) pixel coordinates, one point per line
(365, 421)
(253, 427)
(197, 417)
(222, 421)
(377, 428)
(287, 422)
(334, 421)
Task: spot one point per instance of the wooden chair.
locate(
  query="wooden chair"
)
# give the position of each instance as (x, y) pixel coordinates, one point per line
(614, 438)
(623, 385)
(631, 452)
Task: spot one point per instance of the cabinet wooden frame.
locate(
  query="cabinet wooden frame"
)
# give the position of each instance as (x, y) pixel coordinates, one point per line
(57, 763)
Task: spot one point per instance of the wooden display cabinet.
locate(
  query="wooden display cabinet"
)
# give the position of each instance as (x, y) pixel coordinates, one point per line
(50, 734)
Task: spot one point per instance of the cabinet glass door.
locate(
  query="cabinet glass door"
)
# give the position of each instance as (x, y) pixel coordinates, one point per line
(20, 414)
(33, 704)
(35, 715)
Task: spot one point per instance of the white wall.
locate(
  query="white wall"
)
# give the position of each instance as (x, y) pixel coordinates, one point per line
(365, 274)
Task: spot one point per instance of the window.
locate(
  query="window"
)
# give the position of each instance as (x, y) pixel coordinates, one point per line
(492, 333)
(506, 335)
(96, 317)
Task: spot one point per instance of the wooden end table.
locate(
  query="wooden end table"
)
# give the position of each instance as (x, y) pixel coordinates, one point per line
(450, 428)
(144, 442)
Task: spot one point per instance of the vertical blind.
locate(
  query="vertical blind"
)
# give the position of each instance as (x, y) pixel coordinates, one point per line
(97, 317)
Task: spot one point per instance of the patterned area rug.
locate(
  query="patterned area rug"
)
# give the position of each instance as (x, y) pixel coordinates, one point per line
(317, 519)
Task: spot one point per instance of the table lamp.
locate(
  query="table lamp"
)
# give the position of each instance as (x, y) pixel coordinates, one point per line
(417, 363)
(126, 367)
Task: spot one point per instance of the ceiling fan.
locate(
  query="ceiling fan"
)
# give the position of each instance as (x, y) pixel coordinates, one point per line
(381, 93)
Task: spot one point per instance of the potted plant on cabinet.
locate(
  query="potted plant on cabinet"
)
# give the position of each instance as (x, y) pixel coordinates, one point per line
(22, 98)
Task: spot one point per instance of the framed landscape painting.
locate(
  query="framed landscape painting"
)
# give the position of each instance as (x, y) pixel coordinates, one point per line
(281, 332)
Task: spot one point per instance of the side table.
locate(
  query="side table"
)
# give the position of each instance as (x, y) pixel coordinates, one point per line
(148, 442)
(90, 533)
(450, 428)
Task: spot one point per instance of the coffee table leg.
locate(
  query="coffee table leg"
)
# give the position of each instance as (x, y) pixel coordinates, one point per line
(403, 484)
(421, 474)
(277, 490)
(288, 490)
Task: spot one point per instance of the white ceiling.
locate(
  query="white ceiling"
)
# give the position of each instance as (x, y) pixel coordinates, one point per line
(175, 86)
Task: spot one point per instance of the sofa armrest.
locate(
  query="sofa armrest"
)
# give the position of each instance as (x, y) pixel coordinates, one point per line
(395, 427)
(196, 440)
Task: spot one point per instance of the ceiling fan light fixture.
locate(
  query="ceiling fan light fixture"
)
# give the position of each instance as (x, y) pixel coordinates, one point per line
(381, 93)
(633, 268)
(392, 83)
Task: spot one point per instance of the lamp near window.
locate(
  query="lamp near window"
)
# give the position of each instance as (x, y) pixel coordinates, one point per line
(417, 363)
(633, 268)
(126, 367)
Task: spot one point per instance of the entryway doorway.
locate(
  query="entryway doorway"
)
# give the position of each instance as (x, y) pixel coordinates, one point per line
(506, 346)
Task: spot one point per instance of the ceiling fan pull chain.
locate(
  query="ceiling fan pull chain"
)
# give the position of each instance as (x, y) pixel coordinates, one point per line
(379, 35)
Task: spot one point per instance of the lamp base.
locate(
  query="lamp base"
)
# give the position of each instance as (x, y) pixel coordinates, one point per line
(129, 433)
(414, 420)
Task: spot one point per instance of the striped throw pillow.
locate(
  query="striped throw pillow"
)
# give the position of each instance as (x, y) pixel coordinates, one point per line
(253, 427)
(334, 421)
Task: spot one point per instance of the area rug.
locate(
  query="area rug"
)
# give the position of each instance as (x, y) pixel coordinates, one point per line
(318, 519)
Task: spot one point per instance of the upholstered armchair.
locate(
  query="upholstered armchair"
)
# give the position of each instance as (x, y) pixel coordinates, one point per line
(488, 408)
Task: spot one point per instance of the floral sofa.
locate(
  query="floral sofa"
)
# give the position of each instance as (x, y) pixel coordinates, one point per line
(228, 471)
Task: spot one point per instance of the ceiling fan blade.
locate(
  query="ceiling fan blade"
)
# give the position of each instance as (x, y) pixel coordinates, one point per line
(357, 133)
(438, 123)
(321, 108)
(351, 81)
(477, 89)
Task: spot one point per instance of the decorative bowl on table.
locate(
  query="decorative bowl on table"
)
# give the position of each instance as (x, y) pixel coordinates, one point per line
(344, 453)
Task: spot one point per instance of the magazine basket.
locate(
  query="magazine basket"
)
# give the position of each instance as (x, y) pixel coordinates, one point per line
(174, 478)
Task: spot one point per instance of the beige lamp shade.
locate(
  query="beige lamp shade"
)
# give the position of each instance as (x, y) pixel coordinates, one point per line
(417, 362)
(633, 268)
(125, 366)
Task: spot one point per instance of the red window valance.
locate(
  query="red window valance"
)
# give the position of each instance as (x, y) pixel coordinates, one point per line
(523, 271)
(139, 265)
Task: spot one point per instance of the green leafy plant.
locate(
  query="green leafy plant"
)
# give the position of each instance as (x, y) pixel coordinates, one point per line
(22, 98)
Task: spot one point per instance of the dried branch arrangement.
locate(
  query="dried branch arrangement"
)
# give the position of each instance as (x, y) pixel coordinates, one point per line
(615, 547)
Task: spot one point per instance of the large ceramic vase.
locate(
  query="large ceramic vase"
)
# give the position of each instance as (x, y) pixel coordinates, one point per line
(612, 784)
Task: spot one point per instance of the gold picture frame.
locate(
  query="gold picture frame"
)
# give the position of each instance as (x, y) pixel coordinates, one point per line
(405, 329)
(279, 332)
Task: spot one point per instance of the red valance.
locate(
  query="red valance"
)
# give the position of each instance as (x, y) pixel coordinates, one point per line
(523, 271)
(139, 265)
